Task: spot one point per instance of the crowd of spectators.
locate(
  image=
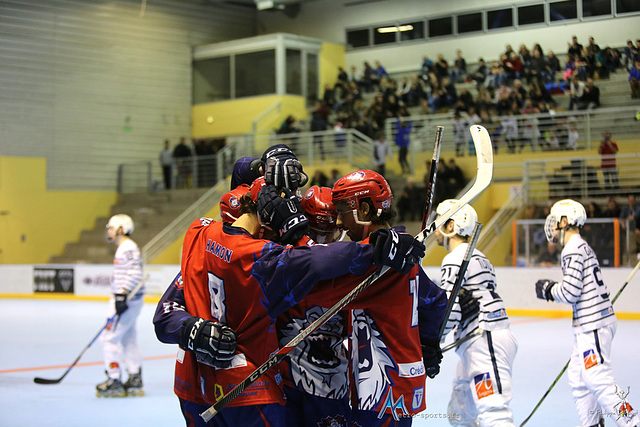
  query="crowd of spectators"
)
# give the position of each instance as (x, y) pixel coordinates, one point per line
(508, 91)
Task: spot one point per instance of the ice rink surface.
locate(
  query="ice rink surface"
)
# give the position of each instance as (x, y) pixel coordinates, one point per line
(41, 337)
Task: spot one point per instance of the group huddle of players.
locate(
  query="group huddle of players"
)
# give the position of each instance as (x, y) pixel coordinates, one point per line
(272, 266)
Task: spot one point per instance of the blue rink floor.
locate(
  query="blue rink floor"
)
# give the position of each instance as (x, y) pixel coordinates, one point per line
(42, 337)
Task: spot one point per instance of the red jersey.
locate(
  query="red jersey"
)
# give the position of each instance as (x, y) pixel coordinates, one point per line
(245, 283)
(389, 320)
(608, 160)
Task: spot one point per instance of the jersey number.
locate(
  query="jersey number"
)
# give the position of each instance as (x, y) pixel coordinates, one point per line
(218, 298)
(413, 289)
(597, 274)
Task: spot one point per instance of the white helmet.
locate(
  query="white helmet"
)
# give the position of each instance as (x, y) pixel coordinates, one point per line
(464, 221)
(572, 210)
(121, 220)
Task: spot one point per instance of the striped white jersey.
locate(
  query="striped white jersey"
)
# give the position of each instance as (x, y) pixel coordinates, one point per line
(480, 280)
(583, 288)
(127, 268)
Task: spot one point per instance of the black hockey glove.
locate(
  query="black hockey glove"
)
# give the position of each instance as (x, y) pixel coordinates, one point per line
(121, 303)
(543, 289)
(399, 251)
(284, 172)
(469, 306)
(213, 343)
(281, 211)
(431, 357)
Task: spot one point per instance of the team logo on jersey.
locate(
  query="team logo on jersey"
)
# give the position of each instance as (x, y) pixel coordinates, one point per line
(394, 406)
(418, 397)
(333, 421)
(590, 359)
(484, 385)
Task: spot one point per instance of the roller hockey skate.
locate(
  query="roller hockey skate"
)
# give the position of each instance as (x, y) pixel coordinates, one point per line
(133, 385)
(111, 388)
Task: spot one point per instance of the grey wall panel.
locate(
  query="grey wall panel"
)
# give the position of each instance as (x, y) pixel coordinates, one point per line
(91, 84)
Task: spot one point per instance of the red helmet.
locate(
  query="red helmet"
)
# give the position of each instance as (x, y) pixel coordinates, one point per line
(319, 209)
(363, 184)
(230, 203)
(255, 188)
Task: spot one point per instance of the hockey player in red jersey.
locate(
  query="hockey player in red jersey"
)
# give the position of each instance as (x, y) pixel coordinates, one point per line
(232, 277)
(394, 339)
(315, 374)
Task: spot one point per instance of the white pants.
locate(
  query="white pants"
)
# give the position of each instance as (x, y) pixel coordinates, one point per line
(594, 390)
(482, 384)
(121, 344)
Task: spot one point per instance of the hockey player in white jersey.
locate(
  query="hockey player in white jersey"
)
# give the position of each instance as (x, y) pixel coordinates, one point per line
(482, 383)
(594, 322)
(119, 340)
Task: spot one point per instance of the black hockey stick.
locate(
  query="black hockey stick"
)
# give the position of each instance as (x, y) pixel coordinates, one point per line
(461, 272)
(432, 176)
(566, 366)
(134, 291)
(484, 151)
(458, 343)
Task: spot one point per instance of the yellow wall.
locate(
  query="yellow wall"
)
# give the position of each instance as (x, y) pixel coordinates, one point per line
(332, 56)
(236, 116)
(36, 223)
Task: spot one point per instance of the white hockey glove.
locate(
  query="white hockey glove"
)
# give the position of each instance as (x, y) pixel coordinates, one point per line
(543, 289)
(213, 343)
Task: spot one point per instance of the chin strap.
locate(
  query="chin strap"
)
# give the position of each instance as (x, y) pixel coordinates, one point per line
(445, 240)
(365, 232)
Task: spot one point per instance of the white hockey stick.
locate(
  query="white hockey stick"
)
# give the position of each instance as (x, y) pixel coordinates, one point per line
(566, 366)
(484, 151)
(111, 320)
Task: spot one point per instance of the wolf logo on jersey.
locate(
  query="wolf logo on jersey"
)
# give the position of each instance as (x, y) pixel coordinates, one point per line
(484, 385)
(316, 358)
(371, 359)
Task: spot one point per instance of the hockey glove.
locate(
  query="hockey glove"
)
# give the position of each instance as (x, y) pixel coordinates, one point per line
(121, 303)
(213, 343)
(543, 289)
(431, 357)
(469, 306)
(399, 251)
(281, 211)
(283, 172)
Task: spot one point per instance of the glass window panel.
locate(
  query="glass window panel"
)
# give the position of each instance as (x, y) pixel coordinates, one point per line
(385, 34)
(470, 22)
(358, 38)
(627, 6)
(294, 72)
(502, 18)
(312, 78)
(596, 8)
(563, 10)
(256, 73)
(412, 31)
(528, 15)
(211, 80)
(441, 27)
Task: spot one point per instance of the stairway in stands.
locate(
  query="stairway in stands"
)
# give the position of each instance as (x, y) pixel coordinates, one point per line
(151, 212)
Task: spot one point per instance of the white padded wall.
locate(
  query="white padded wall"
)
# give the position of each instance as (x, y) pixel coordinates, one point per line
(90, 84)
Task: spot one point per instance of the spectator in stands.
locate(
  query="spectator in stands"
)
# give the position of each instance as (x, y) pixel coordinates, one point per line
(329, 96)
(403, 139)
(538, 48)
(608, 150)
(441, 67)
(166, 162)
(496, 75)
(552, 66)
(427, 64)
(549, 257)
(573, 136)
(319, 178)
(525, 55)
(410, 203)
(465, 100)
(630, 216)
(335, 175)
(530, 130)
(319, 123)
(576, 90)
(182, 154)
(403, 89)
(592, 50)
(591, 96)
(513, 66)
(634, 80)
(370, 77)
(458, 72)
(343, 77)
(289, 125)
(630, 55)
(536, 68)
(380, 72)
(503, 98)
(510, 130)
(569, 68)
(416, 92)
(480, 74)
(455, 176)
(575, 48)
(355, 76)
(459, 133)
(612, 210)
(381, 151)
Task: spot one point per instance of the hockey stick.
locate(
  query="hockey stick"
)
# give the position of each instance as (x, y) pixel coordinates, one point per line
(432, 176)
(484, 151)
(566, 366)
(133, 292)
(458, 283)
(461, 341)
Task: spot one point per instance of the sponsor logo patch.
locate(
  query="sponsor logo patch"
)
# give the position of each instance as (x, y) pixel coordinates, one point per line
(590, 359)
(484, 385)
(410, 370)
(418, 396)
